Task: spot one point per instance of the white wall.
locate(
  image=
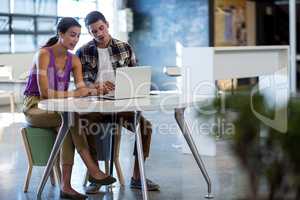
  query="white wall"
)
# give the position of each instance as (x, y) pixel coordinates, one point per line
(112, 15)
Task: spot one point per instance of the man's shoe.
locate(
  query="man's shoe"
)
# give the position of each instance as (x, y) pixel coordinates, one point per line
(72, 196)
(92, 188)
(105, 181)
(137, 184)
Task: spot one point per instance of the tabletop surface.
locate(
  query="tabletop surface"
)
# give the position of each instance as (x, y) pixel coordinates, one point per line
(94, 104)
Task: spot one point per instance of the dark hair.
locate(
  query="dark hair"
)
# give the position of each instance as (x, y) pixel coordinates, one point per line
(92, 17)
(63, 25)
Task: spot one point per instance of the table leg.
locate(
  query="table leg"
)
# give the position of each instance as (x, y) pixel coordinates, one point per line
(179, 116)
(64, 128)
(139, 147)
(112, 152)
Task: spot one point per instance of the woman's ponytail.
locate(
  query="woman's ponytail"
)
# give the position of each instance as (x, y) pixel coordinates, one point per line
(53, 40)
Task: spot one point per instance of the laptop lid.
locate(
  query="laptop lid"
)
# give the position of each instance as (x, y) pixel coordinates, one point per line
(132, 82)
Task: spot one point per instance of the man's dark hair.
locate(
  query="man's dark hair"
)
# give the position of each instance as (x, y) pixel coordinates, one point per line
(93, 17)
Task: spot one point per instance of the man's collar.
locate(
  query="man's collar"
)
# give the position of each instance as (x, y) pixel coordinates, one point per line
(94, 43)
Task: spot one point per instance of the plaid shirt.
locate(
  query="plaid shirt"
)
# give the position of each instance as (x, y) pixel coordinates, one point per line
(121, 55)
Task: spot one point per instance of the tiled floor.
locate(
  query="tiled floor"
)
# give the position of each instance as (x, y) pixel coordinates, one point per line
(177, 173)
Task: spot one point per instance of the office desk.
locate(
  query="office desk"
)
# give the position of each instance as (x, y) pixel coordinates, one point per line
(163, 102)
(201, 67)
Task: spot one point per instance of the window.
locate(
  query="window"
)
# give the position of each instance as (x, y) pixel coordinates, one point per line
(24, 24)
(4, 23)
(46, 7)
(24, 43)
(42, 39)
(5, 43)
(46, 24)
(4, 8)
(23, 7)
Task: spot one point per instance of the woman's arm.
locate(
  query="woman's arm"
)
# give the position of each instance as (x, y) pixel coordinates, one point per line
(77, 72)
(78, 78)
(42, 61)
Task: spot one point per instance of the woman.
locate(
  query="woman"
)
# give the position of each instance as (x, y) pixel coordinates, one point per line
(49, 78)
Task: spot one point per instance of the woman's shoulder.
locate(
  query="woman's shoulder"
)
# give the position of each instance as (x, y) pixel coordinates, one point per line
(42, 56)
(43, 52)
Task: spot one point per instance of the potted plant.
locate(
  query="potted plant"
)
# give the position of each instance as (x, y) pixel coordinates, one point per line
(273, 159)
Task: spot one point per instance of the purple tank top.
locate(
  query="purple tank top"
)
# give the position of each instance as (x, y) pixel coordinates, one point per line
(57, 80)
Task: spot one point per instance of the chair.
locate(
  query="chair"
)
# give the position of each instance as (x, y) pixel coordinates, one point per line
(38, 144)
(11, 96)
(116, 140)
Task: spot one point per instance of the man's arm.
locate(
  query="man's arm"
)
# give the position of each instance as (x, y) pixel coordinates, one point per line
(79, 54)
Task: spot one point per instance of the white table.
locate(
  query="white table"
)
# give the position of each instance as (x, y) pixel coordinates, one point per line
(163, 102)
(207, 64)
(200, 67)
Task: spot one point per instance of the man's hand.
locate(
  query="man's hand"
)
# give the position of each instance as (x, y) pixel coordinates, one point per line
(109, 86)
(100, 87)
(104, 87)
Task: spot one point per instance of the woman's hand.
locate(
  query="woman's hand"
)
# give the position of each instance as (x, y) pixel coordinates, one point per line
(93, 92)
(82, 92)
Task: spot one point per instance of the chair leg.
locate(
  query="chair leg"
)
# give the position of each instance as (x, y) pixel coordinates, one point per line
(27, 180)
(52, 177)
(12, 103)
(119, 172)
(85, 180)
(29, 157)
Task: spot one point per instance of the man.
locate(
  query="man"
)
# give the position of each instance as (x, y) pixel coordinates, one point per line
(100, 58)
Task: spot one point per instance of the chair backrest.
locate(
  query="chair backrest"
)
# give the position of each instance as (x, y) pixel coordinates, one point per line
(38, 143)
(6, 73)
(20, 62)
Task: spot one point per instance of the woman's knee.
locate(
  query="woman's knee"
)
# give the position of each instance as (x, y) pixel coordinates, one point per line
(39, 118)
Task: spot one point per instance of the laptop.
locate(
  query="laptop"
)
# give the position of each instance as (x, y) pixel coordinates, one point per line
(131, 82)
